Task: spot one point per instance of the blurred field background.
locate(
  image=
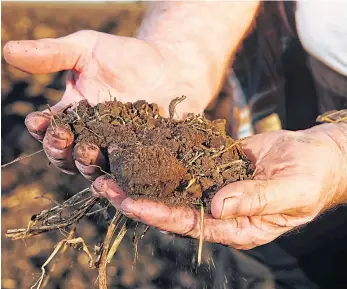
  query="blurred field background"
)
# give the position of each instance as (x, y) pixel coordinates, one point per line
(32, 185)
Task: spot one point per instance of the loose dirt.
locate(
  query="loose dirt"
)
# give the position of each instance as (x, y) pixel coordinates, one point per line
(178, 162)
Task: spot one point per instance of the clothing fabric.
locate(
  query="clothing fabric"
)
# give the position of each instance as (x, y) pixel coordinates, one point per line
(322, 29)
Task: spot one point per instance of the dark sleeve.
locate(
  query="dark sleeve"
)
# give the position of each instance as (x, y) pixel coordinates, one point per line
(286, 11)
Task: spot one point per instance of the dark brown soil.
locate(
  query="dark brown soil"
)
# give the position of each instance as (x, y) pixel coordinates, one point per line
(178, 162)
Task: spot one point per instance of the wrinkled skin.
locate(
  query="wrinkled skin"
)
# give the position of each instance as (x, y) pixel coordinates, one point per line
(298, 175)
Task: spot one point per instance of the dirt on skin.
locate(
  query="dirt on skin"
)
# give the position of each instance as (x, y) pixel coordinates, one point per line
(178, 162)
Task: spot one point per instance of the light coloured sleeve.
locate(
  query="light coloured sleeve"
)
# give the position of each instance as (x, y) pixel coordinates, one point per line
(322, 30)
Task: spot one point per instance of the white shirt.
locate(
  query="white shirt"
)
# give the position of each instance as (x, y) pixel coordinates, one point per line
(322, 30)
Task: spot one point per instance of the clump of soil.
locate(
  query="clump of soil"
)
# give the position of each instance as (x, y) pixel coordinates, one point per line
(178, 162)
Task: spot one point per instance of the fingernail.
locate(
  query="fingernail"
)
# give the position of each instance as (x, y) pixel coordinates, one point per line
(88, 154)
(60, 133)
(95, 191)
(230, 206)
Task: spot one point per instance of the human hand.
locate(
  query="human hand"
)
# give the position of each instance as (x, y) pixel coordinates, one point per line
(101, 65)
(298, 176)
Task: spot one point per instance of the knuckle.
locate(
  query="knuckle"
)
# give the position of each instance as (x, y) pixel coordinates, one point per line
(189, 228)
(259, 197)
(85, 32)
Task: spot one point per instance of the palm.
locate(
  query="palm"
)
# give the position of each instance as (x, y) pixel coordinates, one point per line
(126, 68)
(287, 158)
(282, 196)
(117, 66)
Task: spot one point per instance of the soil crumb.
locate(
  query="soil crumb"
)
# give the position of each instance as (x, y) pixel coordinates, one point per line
(178, 162)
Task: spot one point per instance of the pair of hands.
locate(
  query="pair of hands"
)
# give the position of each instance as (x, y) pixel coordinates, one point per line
(299, 174)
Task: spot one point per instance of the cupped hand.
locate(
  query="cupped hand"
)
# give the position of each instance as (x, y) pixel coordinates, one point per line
(298, 176)
(101, 65)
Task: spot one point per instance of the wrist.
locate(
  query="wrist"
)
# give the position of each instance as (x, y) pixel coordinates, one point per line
(336, 134)
(180, 30)
(199, 52)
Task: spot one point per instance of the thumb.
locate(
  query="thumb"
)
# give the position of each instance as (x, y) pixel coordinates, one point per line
(47, 55)
(252, 197)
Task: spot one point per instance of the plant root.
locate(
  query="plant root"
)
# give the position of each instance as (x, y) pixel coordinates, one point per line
(136, 240)
(55, 218)
(118, 239)
(201, 235)
(103, 257)
(21, 158)
(62, 246)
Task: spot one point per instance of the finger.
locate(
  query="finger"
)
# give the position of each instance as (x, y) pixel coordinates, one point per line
(181, 221)
(57, 140)
(58, 143)
(240, 233)
(89, 160)
(260, 197)
(47, 55)
(107, 188)
(244, 198)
